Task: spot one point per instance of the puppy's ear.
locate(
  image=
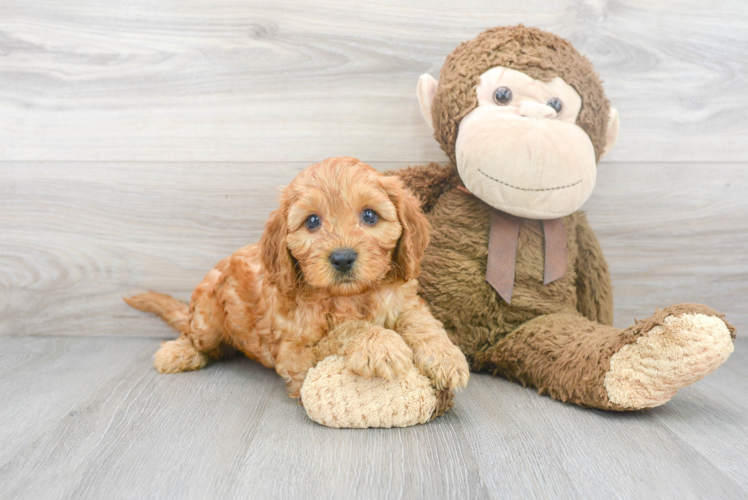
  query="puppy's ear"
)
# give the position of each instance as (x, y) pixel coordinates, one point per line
(277, 260)
(416, 230)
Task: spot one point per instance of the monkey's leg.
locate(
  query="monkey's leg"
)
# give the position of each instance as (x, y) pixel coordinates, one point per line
(579, 361)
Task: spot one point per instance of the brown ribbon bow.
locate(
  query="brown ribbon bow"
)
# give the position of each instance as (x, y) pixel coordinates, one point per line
(502, 252)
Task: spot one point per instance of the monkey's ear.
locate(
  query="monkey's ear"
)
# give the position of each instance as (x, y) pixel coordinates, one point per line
(427, 86)
(611, 133)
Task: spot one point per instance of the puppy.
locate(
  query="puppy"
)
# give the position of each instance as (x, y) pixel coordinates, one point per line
(344, 246)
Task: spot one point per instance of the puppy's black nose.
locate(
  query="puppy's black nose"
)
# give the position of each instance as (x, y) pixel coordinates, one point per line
(342, 260)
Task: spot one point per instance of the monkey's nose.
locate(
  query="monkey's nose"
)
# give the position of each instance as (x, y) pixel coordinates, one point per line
(342, 260)
(531, 109)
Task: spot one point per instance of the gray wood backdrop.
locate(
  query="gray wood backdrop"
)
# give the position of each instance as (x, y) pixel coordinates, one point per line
(141, 142)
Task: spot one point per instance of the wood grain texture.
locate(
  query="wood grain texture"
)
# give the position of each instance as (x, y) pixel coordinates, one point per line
(229, 431)
(142, 142)
(77, 237)
(674, 233)
(712, 418)
(44, 380)
(248, 80)
(540, 448)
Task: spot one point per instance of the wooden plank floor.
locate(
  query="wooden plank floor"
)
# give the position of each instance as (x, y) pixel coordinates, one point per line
(89, 418)
(141, 142)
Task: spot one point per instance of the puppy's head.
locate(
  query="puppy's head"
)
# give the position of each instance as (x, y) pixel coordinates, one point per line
(345, 228)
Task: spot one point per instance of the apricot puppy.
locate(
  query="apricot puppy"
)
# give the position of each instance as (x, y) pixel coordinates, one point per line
(345, 245)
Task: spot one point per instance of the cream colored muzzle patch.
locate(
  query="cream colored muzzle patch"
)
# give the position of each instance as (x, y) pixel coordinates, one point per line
(649, 372)
(533, 167)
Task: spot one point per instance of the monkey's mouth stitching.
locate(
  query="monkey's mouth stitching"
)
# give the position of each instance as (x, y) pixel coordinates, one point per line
(528, 189)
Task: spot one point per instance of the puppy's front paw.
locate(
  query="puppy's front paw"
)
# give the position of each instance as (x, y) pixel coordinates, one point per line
(444, 364)
(379, 353)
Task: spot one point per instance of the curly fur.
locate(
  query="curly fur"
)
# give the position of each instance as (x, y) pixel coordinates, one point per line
(277, 299)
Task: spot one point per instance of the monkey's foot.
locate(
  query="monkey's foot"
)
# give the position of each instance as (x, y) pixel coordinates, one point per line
(676, 347)
(336, 397)
(179, 355)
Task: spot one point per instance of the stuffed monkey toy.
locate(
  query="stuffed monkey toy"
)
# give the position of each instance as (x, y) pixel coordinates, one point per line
(514, 271)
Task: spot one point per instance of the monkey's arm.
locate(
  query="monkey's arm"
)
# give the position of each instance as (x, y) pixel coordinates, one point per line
(428, 182)
(594, 290)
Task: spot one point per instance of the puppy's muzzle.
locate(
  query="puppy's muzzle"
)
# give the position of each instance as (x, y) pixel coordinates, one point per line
(343, 259)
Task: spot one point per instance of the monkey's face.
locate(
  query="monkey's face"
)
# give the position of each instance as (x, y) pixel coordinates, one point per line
(520, 150)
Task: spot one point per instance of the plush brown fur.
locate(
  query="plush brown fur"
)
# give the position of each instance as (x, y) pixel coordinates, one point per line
(276, 300)
(454, 269)
(574, 372)
(582, 350)
(537, 53)
(594, 290)
(556, 337)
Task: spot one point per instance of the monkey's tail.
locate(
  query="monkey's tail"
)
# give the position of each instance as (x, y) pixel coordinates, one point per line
(175, 312)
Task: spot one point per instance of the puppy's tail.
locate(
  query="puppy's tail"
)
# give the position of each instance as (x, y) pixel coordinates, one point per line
(175, 312)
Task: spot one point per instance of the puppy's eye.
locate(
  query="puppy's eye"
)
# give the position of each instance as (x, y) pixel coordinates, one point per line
(502, 96)
(369, 216)
(313, 222)
(556, 104)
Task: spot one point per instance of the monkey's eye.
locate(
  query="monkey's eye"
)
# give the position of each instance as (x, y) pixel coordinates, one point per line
(502, 96)
(556, 104)
(369, 216)
(313, 222)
